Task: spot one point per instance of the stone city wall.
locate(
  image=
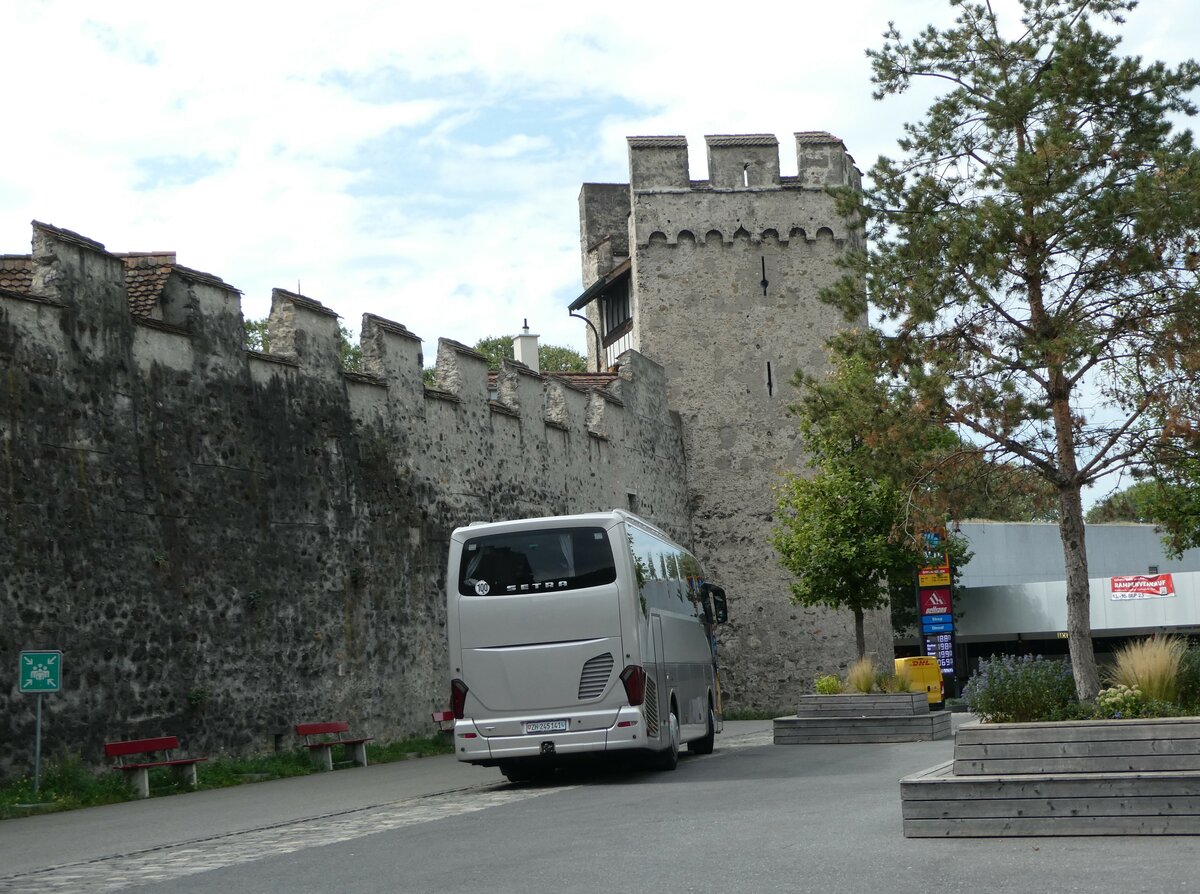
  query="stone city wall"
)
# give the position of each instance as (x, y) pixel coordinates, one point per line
(224, 542)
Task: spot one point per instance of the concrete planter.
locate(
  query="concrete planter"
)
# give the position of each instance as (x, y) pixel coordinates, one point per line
(874, 717)
(1109, 777)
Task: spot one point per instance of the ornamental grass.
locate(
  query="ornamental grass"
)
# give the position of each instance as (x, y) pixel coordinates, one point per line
(1151, 665)
(899, 681)
(861, 676)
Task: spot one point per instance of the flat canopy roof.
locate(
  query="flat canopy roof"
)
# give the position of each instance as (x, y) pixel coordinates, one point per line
(597, 288)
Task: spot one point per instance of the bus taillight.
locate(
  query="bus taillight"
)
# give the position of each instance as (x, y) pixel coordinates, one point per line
(458, 698)
(634, 678)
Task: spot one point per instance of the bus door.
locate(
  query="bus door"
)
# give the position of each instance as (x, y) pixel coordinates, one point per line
(662, 680)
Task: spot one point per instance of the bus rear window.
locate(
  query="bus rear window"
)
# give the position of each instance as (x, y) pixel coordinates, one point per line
(536, 561)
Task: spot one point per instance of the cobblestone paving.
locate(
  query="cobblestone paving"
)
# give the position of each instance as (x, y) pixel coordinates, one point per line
(164, 864)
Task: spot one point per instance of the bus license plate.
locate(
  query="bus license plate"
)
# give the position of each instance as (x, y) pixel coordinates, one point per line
(545, 726)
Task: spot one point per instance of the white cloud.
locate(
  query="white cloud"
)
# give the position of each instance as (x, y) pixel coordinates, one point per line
(421, 163)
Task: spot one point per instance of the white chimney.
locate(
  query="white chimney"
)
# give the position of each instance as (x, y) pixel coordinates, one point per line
(525, 348)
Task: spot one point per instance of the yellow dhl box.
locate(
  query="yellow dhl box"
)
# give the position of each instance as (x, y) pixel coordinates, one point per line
(925, 673)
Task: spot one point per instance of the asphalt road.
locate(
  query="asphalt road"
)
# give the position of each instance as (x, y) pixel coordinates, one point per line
(751, 817)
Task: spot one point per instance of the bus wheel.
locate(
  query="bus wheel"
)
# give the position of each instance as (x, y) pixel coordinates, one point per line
(522, 771)
(668, 758)
(705, 745)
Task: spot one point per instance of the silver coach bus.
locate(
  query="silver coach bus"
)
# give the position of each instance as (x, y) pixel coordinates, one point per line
(577, 635)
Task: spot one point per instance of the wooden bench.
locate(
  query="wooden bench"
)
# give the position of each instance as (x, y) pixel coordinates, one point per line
(321, 738)
(139, 770)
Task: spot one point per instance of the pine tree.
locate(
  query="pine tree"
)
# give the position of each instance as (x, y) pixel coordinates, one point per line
(1033, 249)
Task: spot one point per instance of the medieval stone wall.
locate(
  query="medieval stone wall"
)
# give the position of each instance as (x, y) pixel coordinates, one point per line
(224, 542)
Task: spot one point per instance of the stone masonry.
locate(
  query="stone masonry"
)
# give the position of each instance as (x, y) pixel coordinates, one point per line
(223, 542)
(723, 276)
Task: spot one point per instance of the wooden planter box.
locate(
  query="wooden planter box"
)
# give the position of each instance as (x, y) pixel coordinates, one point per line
(1109, 777)
(877, 717)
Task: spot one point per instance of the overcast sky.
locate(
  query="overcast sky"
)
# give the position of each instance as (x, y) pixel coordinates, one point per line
(421, 162)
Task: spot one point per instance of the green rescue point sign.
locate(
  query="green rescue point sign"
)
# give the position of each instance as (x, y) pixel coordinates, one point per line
(41, 671)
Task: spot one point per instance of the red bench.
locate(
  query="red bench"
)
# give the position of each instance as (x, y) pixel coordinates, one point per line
(139, 770)
(321, 738)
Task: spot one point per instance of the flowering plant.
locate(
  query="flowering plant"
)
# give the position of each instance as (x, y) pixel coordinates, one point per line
(1120, 701)
(1021, 688)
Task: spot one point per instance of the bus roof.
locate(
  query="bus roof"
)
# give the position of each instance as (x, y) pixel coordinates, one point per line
(602, 519)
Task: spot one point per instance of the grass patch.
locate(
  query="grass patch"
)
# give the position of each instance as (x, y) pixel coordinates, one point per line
(67, 783)
(399, 751)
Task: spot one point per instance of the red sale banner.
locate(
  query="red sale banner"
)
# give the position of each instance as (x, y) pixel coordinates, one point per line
(1142, 586)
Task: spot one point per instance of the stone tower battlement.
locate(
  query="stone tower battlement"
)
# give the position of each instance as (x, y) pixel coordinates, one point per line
(740, 162)
(745, 196)
(718, 281)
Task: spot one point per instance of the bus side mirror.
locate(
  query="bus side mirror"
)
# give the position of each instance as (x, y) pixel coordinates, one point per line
(722, 607)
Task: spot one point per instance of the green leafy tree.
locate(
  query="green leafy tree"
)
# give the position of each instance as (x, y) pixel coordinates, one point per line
(1135, 503)
(833, 533)
(860, 415)
(1175, 505)
(557, 358)
(551, 358)
(1033, 248)
(349, 350)
(1170, 500)
(258, 338)
(860, 426)
(495, 348)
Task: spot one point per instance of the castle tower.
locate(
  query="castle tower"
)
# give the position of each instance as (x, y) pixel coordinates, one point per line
(717, 281)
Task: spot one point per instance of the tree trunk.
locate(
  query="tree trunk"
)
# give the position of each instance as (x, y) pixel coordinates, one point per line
(1079, 596)
(860, 638)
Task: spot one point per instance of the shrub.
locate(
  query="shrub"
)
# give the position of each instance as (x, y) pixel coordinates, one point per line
(861, 676)
(1188, 695)
(1151, 665)
(1019, 689)
(900, 681)
(828, 685)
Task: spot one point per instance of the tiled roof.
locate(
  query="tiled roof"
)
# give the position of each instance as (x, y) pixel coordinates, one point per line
(145, 275)
(748, 139)
(587, 379)
(303, 301)
(583, 380)
(816, 136)
(16, 273)
(659, 142)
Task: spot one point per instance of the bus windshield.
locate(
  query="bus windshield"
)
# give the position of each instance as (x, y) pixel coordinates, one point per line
(533, 561)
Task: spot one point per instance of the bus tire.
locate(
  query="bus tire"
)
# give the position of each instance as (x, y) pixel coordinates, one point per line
(668, 758)
(705, 745)
(522, 771)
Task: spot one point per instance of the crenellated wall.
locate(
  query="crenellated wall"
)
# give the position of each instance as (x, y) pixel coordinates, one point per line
(225, 542)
